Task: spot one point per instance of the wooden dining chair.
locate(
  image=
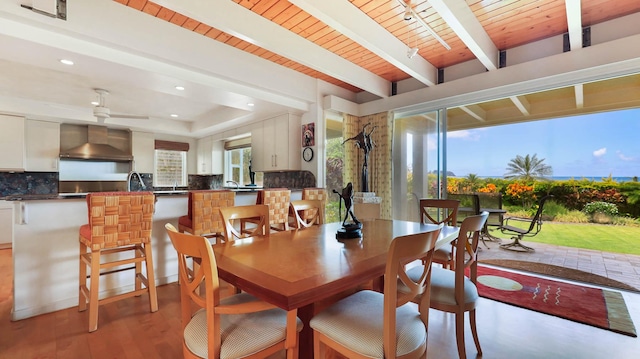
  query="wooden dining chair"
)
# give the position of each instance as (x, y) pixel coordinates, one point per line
(369, 324)
(438, 211)
(307, 213)
(451, 290)
(258, 213)
(240, 326)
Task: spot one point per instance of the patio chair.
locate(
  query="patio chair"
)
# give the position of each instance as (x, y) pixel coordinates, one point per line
(517, 233)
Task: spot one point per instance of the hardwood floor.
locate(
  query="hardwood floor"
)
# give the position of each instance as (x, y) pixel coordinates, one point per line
(127, 330)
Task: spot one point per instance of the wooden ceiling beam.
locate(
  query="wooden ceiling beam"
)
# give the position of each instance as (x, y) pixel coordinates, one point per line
(356, 25)
(242, 23)
(522, 104)
(475, 111)
(574, 23)
(465, 24)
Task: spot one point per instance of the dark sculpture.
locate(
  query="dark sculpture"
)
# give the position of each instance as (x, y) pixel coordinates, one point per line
(252, 176)
(352, 229)
(363, 140)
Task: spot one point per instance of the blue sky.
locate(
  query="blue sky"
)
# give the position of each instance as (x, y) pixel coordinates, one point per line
(596, 145)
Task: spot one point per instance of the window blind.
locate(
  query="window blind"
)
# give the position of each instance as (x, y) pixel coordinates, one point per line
(244, 142)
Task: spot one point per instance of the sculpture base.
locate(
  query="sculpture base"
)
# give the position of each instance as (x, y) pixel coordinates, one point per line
(350, 231)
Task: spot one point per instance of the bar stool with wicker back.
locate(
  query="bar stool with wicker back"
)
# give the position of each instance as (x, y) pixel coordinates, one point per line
(319, 194)
(278, 200)
(203, 214)
(119, 223)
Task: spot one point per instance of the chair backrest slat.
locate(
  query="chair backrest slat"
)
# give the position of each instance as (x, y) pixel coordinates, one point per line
(399, 289)
(298, 209)
(467, 251)
(439, 211)
(258, 212)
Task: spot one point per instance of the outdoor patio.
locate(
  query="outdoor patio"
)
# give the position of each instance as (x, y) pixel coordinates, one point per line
(623, 268)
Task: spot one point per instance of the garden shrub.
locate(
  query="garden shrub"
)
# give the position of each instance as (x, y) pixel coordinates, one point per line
(572, 216)
(626, 221)
(519, 213)
(601, 212)
(552, 209)
(601, 207)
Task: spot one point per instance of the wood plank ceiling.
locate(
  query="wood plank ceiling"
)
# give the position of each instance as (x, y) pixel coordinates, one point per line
(507, 23)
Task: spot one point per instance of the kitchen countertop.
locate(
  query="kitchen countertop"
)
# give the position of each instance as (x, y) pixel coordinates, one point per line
(40, 197)
(63, 196)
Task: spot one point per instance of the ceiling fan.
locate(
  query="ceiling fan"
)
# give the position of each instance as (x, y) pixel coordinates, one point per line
(102, 112)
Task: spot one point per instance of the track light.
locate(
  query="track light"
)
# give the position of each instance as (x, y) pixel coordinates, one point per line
(412, 52)
(408, 15)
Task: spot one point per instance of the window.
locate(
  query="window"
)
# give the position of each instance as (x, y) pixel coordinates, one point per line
(170, 164)
(237, 162)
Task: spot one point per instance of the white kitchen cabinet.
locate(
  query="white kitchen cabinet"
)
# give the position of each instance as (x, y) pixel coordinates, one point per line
(42, 145)
(12, 143)
(275, 144)
(6, 224)
(217, 157)
(143, 147)
(204, 155)
(210, 156)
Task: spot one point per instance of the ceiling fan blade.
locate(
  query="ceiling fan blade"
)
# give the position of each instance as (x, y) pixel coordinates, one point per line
(133, 117)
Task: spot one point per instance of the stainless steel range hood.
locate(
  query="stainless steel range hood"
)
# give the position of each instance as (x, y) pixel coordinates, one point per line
(96, 147)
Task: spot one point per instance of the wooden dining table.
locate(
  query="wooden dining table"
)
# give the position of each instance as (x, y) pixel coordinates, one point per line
(298, 268)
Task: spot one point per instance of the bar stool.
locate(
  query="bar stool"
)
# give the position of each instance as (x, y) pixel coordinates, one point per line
(278, 201)
(119, 223)
(319, 194)
(203, 215)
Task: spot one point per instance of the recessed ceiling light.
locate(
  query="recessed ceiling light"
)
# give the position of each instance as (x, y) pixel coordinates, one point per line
(95, 103)
(180, 88)
(251, 104)
(174, 115)
(66, 62)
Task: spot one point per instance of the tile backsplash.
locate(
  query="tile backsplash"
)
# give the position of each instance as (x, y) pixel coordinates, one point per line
(28, 183)
(32, 183)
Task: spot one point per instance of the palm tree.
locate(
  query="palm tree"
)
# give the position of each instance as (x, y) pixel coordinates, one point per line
(528, 168)
(473, 180)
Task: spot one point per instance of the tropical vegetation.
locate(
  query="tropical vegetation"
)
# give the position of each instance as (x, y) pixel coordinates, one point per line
(528, 168)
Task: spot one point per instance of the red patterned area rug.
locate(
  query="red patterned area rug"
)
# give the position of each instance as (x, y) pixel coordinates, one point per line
(594, 306)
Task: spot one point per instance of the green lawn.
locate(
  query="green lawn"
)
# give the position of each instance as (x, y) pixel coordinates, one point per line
(607, 238)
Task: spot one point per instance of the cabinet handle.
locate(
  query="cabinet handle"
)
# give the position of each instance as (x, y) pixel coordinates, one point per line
(23, 213)
(275, 160)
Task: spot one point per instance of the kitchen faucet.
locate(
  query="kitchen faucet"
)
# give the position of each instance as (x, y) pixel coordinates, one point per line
(130, 176)
(234, 183)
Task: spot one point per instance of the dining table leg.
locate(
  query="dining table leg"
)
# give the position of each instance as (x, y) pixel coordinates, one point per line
(306, 335)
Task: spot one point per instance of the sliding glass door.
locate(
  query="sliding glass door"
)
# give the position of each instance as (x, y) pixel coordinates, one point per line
(418, 152)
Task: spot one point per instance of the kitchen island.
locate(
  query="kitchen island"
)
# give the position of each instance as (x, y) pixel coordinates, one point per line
(46, 248)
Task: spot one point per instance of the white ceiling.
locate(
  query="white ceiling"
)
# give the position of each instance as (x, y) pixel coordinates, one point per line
(140, 65)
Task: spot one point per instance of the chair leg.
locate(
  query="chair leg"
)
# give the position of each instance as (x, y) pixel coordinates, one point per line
(93, 291)
(318, 347)
(517, 246)
(82, 300)
(474, 330)
(138, 252)
(462, 353)
(151, 279)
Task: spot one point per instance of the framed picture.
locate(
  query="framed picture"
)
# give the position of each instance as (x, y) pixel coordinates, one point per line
(308, 134)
